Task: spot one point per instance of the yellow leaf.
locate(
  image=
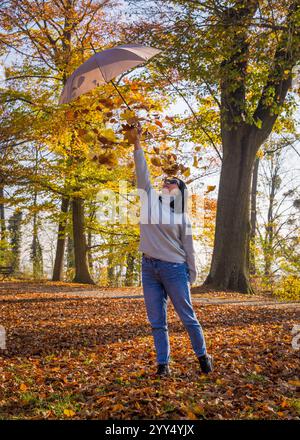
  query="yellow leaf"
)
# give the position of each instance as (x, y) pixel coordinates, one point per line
(187, 172)
(210, 188)
(198, 410)
(69, 412)
(260, 154)
(203, 377)
(109, 134)
(127, 115)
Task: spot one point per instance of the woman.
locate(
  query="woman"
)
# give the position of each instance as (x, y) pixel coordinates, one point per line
(168, 260)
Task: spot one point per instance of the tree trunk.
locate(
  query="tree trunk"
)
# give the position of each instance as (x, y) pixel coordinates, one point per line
(269, 232)
(229, 261)
(129, 270)
(2, 213)
(3, 243)
(82, 274)
(111, 270)
(90, 254)
(251, 255)
(92, 215)
(14, 226)
(61, 239)
(36, 249)
(70, 253)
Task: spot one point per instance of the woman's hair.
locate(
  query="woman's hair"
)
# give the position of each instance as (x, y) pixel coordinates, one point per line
(179, 202)
(181, 205)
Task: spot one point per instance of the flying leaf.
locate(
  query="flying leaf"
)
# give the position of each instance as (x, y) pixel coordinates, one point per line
(210, 188)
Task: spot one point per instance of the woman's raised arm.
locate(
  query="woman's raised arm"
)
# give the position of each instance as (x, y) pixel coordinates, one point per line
(141, 167)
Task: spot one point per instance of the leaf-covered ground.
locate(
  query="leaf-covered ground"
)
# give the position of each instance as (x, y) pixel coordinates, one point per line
(74, 357)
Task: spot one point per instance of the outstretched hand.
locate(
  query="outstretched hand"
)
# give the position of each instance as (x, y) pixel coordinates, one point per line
(136, 126)
(133, 133)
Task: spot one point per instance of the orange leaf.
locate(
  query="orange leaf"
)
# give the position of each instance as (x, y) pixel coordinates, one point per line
(118, 407)
(23, 387)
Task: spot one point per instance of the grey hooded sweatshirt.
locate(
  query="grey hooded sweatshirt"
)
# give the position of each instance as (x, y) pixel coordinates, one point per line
(164, 234)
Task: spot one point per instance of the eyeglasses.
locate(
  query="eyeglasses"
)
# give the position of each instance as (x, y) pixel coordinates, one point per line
(171, 181)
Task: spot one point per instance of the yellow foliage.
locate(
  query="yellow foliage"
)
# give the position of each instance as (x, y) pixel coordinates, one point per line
(109, 134)
(288, 288)
(260, 154)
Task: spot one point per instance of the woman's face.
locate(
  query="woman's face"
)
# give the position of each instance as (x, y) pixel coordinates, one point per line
(170, 187)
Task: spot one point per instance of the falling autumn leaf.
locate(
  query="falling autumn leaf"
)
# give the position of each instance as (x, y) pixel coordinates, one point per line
(210, 188)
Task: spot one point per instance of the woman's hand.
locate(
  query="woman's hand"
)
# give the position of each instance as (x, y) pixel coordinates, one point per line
(135, 133)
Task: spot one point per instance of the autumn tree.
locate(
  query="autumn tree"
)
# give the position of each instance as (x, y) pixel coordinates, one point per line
(57, 37)
(242, 55)
(52, 38)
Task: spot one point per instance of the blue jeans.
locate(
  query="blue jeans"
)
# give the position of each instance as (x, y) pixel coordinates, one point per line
(162, 279)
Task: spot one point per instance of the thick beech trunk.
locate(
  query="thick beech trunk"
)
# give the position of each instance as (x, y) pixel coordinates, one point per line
(229, 268)
(241, 141)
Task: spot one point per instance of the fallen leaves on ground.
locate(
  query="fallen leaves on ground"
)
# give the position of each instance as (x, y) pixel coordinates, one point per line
(94, 358)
